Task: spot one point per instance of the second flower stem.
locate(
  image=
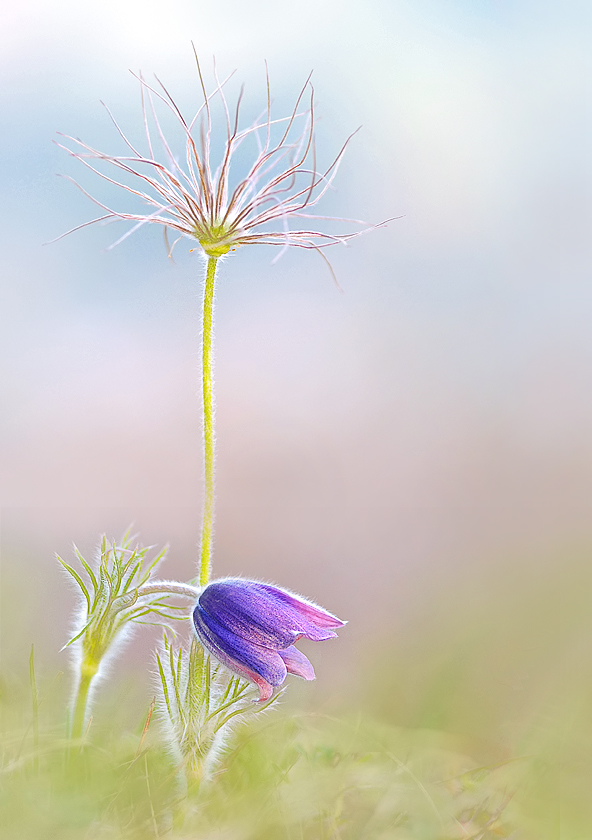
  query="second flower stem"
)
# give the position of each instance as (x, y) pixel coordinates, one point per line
(208, 410)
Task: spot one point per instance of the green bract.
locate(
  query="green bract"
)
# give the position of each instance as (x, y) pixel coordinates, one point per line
(111, 599)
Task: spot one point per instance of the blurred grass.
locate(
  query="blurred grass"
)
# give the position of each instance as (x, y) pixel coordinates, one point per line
(502, 657)
(294, 776)
(474, 723)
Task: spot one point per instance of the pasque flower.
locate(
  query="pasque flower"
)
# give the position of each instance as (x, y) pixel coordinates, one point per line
(207, 201)
(251, 627)
(255, 184)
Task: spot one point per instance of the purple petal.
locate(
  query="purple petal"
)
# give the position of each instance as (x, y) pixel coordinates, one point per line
(297, 663)
(264, 614)
(250, 613)
(311, 612)
(237, 653)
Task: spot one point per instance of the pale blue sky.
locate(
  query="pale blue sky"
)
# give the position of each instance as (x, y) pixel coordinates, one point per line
(438, 410)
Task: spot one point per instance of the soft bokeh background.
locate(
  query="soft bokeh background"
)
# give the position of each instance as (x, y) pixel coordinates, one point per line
(413, 453)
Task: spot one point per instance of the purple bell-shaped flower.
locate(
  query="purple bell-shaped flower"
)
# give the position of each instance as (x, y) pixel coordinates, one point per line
(251, 627)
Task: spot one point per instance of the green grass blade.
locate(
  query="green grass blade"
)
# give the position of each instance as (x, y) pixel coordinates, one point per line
(35, 702)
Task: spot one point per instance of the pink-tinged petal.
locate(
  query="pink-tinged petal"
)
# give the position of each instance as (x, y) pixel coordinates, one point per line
(319, 623)
(317, 634)
(297, 663)
(265, 688)
(316, 615)
(320, 616)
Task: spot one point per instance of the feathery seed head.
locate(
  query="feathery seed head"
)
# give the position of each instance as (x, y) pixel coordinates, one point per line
(269, 204)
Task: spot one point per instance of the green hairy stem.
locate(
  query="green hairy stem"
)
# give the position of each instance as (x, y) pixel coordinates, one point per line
(208, 434)
(167, 587)
(79, 713)
(121, 590)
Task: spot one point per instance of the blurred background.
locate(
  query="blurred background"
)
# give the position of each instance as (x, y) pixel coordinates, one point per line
(414, 452)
